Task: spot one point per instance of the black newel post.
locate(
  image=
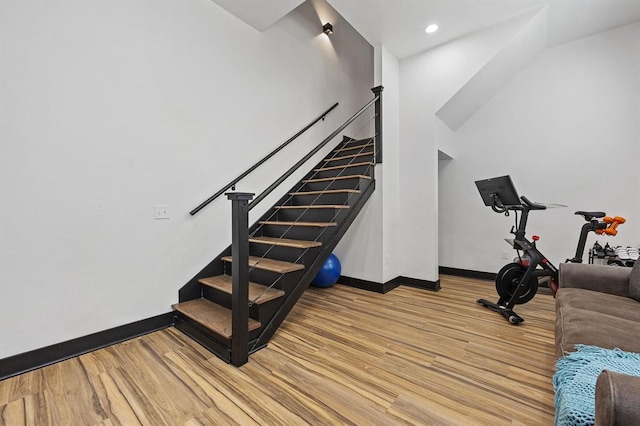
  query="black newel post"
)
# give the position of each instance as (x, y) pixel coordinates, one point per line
(240, 277)
(378, 123)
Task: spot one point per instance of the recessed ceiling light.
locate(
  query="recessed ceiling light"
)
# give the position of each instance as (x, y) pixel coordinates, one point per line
(431, 29)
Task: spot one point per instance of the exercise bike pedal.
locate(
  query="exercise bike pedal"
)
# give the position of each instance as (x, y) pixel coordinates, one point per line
(506, 312)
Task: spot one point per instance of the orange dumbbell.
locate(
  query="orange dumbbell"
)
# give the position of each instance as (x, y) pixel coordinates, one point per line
(613, 224)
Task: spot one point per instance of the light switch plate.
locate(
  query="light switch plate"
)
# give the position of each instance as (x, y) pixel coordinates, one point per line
(161, 212)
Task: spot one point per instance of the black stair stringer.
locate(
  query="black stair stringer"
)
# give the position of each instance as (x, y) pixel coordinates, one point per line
(203, 337)
(269, 329)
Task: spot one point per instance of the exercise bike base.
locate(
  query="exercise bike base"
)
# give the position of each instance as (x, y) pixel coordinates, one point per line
(508, 313)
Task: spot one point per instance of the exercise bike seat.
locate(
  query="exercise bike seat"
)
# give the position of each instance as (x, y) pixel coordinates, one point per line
(588, 216)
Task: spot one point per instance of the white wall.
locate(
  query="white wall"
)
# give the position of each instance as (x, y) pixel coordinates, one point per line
(110, 107)
(427, 81)
(368, 250)
(566, 129)
(391, 165)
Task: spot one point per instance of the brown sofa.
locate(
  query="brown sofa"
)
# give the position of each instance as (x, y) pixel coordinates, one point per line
(600, 305)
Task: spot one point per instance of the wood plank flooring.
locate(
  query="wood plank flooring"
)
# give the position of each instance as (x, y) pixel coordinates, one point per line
(343, 356)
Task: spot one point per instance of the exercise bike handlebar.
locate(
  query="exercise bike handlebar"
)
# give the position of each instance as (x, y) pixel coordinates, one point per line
(498, 207)
(531, 205)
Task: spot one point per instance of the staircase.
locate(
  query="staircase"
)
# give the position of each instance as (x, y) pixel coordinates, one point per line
(287, 247)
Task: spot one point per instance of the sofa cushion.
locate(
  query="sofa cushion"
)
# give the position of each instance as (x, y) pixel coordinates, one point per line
(634, 282)
(574, 326)
(602, 278)
(618, 306)
(617, 399)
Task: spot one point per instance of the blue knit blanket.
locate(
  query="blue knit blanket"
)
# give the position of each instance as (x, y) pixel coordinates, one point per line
(575, 380)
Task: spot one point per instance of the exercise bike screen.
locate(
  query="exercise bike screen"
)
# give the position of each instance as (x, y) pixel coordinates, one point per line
(502, 187)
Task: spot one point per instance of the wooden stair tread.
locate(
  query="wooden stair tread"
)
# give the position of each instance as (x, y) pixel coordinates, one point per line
(258, 293)
(215, 317)
(323, 169)
(284, 242)
(346, 157)
(316, 206)
(272, 265)
(354, 147)
(327, 191)
(336, 178)
(310, 224)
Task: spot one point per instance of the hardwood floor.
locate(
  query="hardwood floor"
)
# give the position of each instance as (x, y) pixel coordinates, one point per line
(343, 356)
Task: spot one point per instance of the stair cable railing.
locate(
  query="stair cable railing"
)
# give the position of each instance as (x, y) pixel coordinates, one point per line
(241, 204)
(232, 185)
(312, 203)
(330, 181)
(376, 139)
(293, 169)
(303, 211)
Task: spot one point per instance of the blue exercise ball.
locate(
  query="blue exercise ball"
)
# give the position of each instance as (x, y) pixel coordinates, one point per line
(329, 273)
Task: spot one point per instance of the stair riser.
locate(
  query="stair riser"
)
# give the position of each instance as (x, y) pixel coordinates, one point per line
(286, 283)
(267, 310)
(353, 183)
(310, 215)
(207, 339)
(267, 278)
(354, 160)
(352, 149)
(213, 336)
(354, 142)
(224, 299)
(358, 170)
(342, 198)
(298, 232)
(288, 254)
(262, 312)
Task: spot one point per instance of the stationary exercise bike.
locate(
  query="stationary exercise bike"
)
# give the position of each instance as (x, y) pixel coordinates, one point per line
(517, 282)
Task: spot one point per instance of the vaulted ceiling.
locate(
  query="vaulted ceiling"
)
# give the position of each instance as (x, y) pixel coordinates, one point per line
(400, 24)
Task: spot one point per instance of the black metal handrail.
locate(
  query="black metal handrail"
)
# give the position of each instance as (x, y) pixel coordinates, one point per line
(233, 183)
(296, 166)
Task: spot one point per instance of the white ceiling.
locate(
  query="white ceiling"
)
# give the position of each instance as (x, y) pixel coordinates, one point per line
(400, 24)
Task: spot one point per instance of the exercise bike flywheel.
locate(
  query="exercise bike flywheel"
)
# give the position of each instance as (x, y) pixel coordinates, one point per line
(509, 278)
